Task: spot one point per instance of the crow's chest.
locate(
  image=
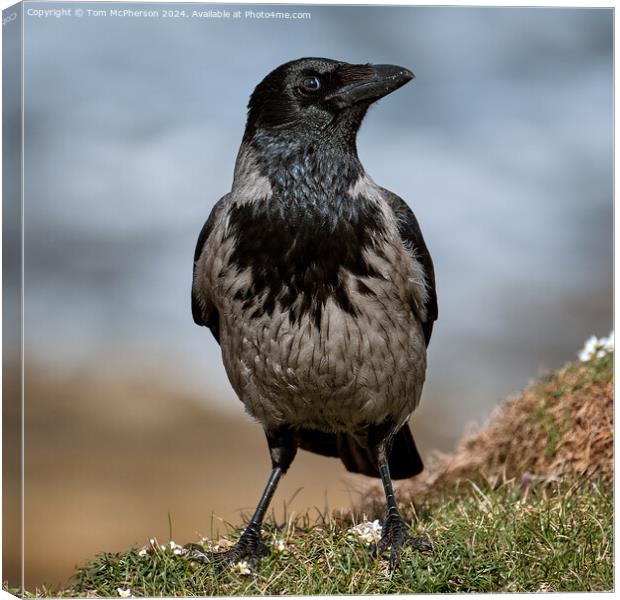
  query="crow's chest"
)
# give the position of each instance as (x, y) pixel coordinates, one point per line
(353, 367)
(296, 254)
(324, 338)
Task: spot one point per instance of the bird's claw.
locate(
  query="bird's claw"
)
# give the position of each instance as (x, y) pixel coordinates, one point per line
(395, 535)
(249, 547)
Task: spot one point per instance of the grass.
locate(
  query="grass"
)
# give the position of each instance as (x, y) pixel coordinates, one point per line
(560, 427)
(525, 505)
(507, 538)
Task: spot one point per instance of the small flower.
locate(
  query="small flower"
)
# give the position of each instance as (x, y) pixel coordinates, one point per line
(124, 593)
(171, 545)
(597, 347)
(149, 548)
(589, 349)
(243, 568)
(367, 531)
(176, 549)
(154, 546)
(526, 479)
(279, 546)
(207, 544)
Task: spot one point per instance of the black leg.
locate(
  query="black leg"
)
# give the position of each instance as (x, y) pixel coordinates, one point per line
(394, 534)
(250, 546)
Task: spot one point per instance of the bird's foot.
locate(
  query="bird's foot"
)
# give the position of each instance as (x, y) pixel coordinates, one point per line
(395, 535)
(250, 548)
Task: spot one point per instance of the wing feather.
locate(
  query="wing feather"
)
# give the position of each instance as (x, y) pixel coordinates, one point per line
(203, 310)
(413, 240)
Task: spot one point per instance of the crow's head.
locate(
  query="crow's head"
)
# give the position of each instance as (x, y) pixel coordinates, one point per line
(319, 96)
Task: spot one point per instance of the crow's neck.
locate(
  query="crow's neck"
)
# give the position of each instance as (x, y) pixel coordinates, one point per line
(304, 231)
(317, 165)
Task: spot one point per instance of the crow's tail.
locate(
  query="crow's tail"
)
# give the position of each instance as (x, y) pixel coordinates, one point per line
(404, 459)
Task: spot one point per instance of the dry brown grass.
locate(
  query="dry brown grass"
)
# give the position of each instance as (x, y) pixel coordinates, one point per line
(559, 428)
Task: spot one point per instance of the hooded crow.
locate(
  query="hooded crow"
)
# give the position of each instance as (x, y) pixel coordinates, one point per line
(318, 286)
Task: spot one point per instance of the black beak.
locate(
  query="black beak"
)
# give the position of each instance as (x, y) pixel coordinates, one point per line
(368, 83)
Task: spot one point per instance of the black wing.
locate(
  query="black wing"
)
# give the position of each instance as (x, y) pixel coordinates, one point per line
(414, 242)
(203, 310)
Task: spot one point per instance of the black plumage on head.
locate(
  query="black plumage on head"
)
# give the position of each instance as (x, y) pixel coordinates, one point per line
(305, 97)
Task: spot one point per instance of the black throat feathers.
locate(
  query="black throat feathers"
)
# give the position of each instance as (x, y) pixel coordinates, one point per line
(299, 241)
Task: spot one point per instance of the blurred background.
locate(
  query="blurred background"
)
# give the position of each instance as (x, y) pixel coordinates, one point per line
(502, 146)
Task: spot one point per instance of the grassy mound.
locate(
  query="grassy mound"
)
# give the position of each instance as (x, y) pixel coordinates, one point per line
(524, 504)
(560, 428)
(486, 541)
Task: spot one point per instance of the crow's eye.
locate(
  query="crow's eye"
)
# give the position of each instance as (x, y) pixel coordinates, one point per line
(311, 84)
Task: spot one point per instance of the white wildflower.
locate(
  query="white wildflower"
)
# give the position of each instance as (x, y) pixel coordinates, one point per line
(367, 531)
(279, 545)
(149, 548)
(176, 549)
(597, 347)
(208, 544)
(243, 568)
(124, 593)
